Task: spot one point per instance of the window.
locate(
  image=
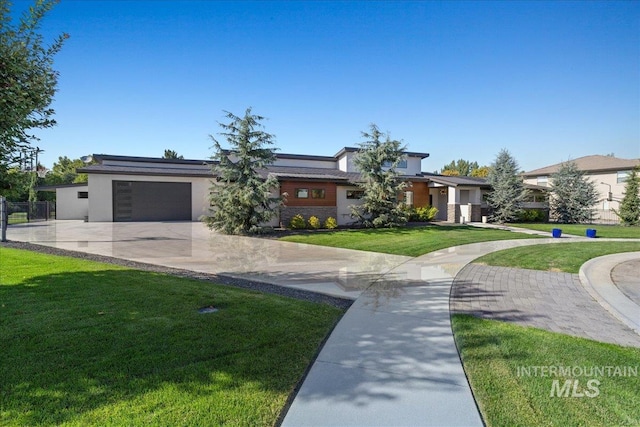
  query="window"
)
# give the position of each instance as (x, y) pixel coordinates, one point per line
(83, 194)
(543, 180)
(317, 193)
(622, 177)
(402, 164)
(355, 194)
(408, 198)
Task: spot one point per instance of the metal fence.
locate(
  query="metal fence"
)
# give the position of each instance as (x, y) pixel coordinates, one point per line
(19, 212)
(605, 216)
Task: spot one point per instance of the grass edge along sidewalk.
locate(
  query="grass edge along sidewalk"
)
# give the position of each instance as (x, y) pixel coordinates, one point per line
(86, 343)
(496, 354)
(409, 241)
(566, 257)
(605, 231)
(527, 376)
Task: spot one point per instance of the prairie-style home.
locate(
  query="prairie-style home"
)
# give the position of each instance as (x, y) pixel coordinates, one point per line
(124, 188)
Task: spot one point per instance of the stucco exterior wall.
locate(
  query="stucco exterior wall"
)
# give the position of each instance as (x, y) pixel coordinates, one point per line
(68, 205)
(100, 191)
(301, 163)
(343, 205)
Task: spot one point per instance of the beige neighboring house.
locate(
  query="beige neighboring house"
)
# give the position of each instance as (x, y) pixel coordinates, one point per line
(607, 172)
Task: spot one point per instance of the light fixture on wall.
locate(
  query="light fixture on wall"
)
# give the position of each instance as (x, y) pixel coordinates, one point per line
(609, 195)
(443, 191)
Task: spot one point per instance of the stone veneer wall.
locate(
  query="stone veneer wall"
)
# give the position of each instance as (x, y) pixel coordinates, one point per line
(322, 212)
(476, 213)
(453, 213)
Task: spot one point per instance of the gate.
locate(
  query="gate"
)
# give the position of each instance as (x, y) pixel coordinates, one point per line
(20, 212)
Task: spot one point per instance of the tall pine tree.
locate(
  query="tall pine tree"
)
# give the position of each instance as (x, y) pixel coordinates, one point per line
(573, 196)
(377, 160)
(629, 212)
(508, 192)
(241, 199)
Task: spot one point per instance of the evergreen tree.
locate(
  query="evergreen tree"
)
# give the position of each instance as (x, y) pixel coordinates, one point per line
(460, 167)
(171, 154)
(377, 160)
(241, 198)
(507, 193)
(572, 195)
(28, 80)
(629, 212)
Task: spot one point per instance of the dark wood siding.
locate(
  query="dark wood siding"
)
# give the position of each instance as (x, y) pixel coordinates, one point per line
(420, 194)
(290, 187)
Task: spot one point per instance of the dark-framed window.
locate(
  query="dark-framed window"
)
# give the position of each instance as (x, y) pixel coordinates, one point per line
(83, 194)
(302, 193)
(355, 194)
(402, 164)
(317, 193)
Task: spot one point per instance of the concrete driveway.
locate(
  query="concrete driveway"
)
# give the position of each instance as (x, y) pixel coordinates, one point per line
(192, 246)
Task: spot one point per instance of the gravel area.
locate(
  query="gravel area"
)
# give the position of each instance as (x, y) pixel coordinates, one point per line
(299, 294)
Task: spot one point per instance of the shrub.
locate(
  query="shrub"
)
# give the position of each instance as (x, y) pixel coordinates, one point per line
(298, 222)
(531, 215)
(314, 222)
(420, 214)
(331, 223)
(426, 213)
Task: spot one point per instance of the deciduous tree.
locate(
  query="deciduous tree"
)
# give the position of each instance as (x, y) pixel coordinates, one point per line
(573, 196)
(508, 192)
(241, 198)
(377, 160)
(27, 78)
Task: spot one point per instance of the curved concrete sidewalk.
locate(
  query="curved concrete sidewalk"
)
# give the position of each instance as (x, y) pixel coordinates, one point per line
(392, 359)
(596, 277)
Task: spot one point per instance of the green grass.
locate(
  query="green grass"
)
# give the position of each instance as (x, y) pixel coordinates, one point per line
(410, 241)
(85, 343)
(17, 218)
(493, 351)
(566, 257)
(609, 231)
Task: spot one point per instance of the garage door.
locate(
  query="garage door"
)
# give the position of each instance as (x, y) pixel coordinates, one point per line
(151, 201)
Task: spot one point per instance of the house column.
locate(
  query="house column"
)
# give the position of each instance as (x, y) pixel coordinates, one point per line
(475, 205)
(453, 205)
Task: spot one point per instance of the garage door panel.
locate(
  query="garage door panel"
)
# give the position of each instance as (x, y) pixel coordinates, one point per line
(151, 201)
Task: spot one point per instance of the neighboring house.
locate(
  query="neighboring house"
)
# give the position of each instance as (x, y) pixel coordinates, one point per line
(607, 172)
(123, 188)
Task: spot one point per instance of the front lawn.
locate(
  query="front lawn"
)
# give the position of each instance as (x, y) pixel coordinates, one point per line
(502, 359)
(609, 231)
(410, 241)
(566, 257)
(85, 343)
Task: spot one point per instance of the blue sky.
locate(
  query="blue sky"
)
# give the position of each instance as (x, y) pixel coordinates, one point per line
(549, 81)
